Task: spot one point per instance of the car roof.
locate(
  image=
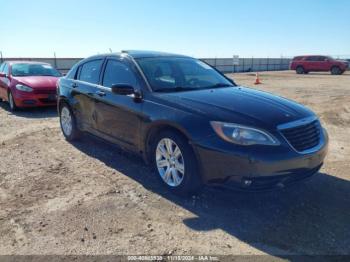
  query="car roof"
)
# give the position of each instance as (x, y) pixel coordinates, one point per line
(308, 56)
(147, 54)
(136, 54)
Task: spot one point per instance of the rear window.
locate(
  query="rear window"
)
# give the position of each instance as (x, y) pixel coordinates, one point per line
(298, 58)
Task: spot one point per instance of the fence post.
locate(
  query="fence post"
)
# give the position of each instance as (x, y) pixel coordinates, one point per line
(268, 60)
(281, 63)
(252, 69)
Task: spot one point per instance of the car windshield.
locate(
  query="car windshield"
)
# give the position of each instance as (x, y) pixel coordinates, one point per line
(34, 70)
(172, 74)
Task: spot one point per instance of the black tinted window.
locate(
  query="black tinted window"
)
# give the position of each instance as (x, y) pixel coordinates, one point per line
(90, 71)
(298, 58)
(316, 58)
(118, 73)
(167, 73)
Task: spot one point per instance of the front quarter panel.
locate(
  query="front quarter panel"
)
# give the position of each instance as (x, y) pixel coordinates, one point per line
(63, 90)
(157, 113)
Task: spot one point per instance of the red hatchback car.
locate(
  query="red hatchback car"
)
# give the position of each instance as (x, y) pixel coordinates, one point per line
(28, 84)
(313, 63)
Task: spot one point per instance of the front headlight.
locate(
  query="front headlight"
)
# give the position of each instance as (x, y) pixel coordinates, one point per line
(243, 135)
(24, 88)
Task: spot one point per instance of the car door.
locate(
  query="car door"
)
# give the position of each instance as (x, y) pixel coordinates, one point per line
(4, 81)
(1, 81)
(119, 116)
(327, 64)
(310, 63)
(84, 88)
(321, 63)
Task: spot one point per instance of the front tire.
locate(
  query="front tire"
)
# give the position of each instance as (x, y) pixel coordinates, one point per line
(336, 71)
(68, 123)
(300, 70)
(175, 163)
(12, 103)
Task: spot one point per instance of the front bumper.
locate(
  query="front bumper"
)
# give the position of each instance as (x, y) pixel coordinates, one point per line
(261, 166)
(23, 99)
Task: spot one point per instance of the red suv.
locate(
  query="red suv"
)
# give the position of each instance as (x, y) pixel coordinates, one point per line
(306, 64)
(28, 84)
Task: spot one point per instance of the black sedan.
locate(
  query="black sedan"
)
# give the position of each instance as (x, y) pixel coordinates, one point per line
(194, 125)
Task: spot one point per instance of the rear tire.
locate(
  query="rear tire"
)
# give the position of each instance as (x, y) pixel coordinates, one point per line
(336, 70)
(11, 101)
(68, 123)
(175, 164)
(300, 70)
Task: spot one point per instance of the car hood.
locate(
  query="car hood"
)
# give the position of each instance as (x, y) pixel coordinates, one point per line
(38, 82)
(239, 105)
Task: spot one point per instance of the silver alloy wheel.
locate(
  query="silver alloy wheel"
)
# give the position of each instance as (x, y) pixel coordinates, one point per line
(11, 102)
(66, 121)
(170, 162)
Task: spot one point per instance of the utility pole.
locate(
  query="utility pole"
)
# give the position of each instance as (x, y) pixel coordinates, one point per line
(55, 59)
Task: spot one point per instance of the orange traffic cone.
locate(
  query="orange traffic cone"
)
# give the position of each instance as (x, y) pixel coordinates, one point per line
(257, 80)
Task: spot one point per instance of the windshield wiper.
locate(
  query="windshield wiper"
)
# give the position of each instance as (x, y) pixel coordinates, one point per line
(220, 85)
(175, 89)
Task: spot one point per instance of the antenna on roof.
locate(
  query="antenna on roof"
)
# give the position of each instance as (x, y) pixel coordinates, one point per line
(110, 50)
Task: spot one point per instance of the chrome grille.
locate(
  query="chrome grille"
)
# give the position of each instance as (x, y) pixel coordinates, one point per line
(303, 137)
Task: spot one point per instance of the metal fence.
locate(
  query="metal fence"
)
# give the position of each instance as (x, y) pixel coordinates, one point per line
(225, 65)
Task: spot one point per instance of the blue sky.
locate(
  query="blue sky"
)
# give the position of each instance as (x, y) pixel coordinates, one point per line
(200, 28)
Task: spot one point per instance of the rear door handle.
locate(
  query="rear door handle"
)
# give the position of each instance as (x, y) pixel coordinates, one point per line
(74, 85)
(100, 93)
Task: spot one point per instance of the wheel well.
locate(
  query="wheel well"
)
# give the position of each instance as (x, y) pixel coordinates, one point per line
(62, 102)
(156, 130)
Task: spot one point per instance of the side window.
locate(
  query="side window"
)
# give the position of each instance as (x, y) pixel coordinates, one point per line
(118, 73)
(6, 69)
(310, 58)
(72, 73)
(1, 66)
(90, 71)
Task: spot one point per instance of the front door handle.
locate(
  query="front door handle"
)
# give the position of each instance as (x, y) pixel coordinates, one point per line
(100, 93)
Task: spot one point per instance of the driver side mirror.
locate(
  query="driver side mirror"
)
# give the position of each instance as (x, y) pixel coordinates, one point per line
(123, 89)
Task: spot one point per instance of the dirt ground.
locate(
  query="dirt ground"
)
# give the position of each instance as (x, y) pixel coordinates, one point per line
(90, 198)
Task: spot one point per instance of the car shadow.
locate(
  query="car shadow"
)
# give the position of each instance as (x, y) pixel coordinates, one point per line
(309, 218)
(325, 74)
(32, 112)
